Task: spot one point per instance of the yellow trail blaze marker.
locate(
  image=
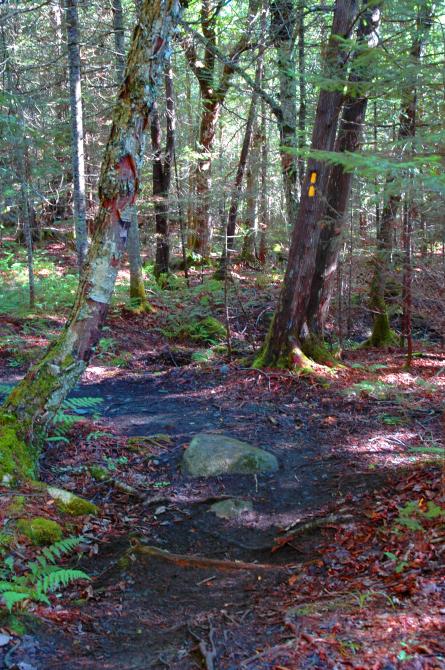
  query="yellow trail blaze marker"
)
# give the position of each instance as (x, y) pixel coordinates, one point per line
(312, 180)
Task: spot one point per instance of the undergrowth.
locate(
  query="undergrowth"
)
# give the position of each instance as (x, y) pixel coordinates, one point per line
(40, 577)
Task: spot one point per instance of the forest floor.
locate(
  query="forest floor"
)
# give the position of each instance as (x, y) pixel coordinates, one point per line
(343, 549)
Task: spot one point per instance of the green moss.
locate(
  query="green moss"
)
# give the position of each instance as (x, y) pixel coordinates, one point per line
(317, 350)
(68, 503)
(17, 506)
(17, 460)
(40, 531)
(6, 540)
(382, 335)
(208, 330)
(99, 473)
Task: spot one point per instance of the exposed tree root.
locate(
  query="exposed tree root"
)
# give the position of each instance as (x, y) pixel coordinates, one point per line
(311, 525)
(176, 500)
(187, 561)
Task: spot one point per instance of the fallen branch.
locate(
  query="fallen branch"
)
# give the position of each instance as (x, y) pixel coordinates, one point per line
(187, 561)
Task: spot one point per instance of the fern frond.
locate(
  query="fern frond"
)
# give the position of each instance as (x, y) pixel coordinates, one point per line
(54, 580)
(10, 598)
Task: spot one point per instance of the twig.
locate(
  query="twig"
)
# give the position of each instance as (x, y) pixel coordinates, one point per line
(209, 654)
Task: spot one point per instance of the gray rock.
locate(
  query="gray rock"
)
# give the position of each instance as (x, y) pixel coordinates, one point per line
(210, 455)
(231, 509)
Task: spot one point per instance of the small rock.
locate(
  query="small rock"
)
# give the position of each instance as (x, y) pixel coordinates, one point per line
(231, 509)
(68, 503)
(4, 639)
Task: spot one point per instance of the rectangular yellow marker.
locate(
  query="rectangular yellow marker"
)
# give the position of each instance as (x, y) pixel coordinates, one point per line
(311, 192)
(313, 177)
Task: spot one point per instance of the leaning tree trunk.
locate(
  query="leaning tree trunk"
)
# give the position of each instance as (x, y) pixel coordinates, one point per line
(77, 147)
(283, 347)
(138, 298)
(34, 401)
(339, 189)
(382, 335)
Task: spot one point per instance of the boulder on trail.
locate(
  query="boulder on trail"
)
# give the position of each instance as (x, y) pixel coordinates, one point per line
(210, 455)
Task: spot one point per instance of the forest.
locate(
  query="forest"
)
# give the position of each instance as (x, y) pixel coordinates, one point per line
(222, 334)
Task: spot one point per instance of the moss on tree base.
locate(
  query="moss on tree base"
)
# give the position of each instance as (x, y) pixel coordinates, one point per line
(382, 334)
(318, 351)
(17, 460)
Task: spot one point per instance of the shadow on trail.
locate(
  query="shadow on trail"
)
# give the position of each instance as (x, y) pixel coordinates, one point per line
(149, 613)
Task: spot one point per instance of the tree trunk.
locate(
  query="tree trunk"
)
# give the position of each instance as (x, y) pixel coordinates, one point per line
(34, 401)
(162, 171)
(264, 211)
(282, 347)
(283, 29)
(213, 95)
(77, 148)
(138, 298)
(407, 333)
(238, 183)
(302, 90)
(250, 242)
(339, 189)
(382, 335)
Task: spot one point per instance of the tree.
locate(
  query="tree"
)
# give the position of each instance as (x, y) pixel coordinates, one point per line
(241, 168)
(382, 335)
(34, 401)
(283, 33)
(340, 181)
(282, 347)
(213, 94)
(77, 148)
(162, 171)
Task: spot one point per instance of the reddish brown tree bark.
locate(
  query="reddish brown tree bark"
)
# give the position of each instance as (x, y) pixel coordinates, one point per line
(340, 181)
(283, 347)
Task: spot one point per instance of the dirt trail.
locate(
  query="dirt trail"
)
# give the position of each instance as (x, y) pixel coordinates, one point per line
(147, 613)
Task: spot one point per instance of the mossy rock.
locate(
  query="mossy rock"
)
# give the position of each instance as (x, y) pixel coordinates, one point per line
(68, 503)
(232, 508)
(210, 455)
(17, 460)
(40, 531)
(99, 473)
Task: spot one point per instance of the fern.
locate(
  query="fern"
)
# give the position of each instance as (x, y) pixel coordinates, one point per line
(76, 406)
(60, 577)
(42, 575)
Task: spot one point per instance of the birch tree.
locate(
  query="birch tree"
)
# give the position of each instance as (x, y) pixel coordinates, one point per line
(32, 404)
(77, 146)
